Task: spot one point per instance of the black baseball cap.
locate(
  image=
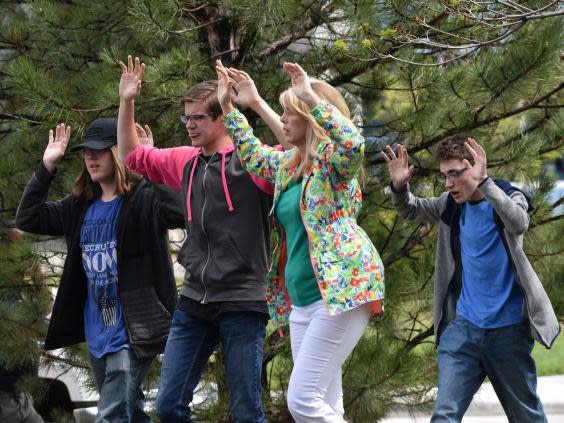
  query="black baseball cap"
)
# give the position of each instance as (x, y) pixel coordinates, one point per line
(101, 134)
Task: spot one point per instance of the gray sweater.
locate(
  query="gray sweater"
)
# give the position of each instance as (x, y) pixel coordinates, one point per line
(513, 221)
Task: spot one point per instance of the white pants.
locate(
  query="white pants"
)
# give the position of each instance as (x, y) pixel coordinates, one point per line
(320, 345)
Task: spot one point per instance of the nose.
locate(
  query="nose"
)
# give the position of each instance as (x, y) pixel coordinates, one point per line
(283, 118)
(448, 183)
(91, 154)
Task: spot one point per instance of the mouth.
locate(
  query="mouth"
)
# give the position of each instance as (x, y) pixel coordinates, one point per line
(193, 136)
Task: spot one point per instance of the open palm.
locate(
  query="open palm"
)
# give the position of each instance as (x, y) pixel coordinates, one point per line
(398, 166)
(131, 78)
(55, 150)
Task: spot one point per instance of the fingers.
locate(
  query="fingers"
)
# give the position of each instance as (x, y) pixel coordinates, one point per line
(467, 163)
(470, 149)
(140, 130)
(386, 158)
(221, 71)
(148, 131)
(238, 75)
(133, 66)
(51, 139)
(67, 135)
(391, 152)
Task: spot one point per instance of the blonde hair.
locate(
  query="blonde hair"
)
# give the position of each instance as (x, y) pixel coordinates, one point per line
(314, 133)
(126, 180)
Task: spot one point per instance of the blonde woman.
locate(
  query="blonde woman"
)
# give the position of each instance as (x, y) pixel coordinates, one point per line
(326, 278)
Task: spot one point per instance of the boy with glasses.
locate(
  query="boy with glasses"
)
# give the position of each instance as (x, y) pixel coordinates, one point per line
(226, 213)
(489, 302)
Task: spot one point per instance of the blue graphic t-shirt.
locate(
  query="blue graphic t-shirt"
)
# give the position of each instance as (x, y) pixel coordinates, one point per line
(104, 326)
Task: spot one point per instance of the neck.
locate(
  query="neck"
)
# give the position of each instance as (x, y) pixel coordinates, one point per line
(219, 145)
(476, 195)
(108, 190)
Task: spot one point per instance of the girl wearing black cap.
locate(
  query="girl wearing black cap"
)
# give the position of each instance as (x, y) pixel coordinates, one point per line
(117, 289)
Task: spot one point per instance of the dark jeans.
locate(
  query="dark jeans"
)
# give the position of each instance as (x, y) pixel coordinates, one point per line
(467, 354)
(119, 377)
(190, 344)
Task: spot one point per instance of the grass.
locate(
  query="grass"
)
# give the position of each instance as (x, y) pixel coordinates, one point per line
(550, 362)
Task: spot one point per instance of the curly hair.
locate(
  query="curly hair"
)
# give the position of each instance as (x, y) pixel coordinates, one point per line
(452, 148)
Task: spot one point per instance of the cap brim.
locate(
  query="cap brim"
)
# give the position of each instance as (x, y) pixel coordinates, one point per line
(93, 145)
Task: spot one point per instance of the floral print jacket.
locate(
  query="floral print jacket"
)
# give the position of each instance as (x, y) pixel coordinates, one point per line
(347, 266)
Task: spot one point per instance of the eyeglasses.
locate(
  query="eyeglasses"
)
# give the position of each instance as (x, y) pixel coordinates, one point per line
(452, 175)
(195, 118)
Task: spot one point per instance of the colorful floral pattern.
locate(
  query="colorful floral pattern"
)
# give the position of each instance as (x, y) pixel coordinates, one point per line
(348, 268)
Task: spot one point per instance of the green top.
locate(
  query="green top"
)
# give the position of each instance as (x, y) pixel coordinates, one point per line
(300, 279)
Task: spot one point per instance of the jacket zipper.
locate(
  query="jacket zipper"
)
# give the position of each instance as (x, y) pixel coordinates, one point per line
(203, 301)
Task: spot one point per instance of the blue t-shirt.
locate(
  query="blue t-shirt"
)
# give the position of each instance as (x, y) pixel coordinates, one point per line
(490, 297)
(104, 325)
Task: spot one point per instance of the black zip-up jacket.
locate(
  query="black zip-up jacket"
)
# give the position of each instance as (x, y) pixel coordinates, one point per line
(147, 290)
(226, 209)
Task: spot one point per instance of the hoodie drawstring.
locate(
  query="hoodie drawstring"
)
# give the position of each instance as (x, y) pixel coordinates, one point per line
(190, 188)
(224, 181)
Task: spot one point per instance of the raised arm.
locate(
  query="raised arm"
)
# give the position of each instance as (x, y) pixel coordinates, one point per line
(512, 210)
(258, 159)
(246, 95)
(129, 88)
(407, 205)
(35, 214)
(346, 150)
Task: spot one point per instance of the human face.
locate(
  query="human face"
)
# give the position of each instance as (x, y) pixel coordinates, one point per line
(294, 127)
(100, 165)
(458, 181)
(205, 132)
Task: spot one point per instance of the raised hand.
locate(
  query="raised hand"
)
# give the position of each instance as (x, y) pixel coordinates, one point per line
(131, 78)
(301, 87)
(223, 88)
(56, 148)
(398, 166)
(145, 135)
(246, 93)
(479, 171)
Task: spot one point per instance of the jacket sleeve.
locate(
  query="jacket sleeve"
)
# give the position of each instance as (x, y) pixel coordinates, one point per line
(167, 206)
(511, 209)
(411, 207)
(257, 158)
(37, 215)
(347, 145)
(161, 166)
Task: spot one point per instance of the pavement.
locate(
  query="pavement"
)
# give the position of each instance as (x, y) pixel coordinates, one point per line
(485, 407)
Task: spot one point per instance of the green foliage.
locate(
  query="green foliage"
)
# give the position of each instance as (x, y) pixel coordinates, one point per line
(59, 64)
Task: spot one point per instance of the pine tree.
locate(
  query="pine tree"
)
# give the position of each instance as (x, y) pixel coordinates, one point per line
(413, 72)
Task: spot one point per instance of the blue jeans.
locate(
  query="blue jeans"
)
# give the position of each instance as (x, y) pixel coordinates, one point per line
(190, 344)
(467, 354)
(119, 378)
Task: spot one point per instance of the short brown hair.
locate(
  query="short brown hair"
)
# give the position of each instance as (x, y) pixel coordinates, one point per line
(126, 180)
(207, 92)
(452, 148)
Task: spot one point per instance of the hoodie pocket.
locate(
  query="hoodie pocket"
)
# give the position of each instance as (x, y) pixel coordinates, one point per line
(147, 319)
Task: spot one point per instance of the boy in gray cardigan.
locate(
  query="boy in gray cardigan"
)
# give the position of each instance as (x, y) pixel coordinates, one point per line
(489, 302)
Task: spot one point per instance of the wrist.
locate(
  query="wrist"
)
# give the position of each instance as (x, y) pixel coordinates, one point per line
(227, 108)
(50, 166)
(127, 101)
(311, 99)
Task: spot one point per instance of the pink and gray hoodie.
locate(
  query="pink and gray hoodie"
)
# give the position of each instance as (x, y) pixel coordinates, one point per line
(226, 214)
